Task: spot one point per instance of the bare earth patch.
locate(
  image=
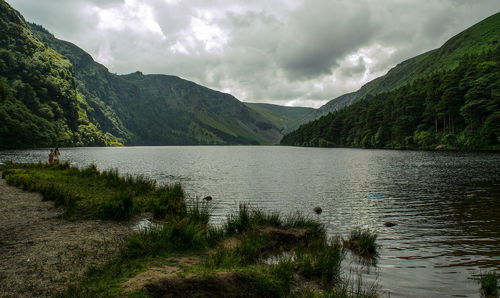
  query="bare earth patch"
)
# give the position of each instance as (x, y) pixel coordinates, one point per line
(41, 253)
(152, 275)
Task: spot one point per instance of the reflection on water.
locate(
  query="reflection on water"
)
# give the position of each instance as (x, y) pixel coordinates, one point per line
(445, 204)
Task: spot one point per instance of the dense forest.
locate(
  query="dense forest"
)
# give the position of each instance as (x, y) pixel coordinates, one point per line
(39, 104)
(458, 108)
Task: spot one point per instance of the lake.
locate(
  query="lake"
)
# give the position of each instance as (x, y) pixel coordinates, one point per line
(446, 204)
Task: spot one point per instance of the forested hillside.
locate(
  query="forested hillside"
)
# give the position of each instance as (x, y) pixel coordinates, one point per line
(458, 108)
(160, 109)
(39, 104)
(480, 37)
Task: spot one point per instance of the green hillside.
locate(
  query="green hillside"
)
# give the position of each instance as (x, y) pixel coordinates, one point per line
(482, 36)
(458, 108)
(161, 109)
(281, 116)
(39, 104)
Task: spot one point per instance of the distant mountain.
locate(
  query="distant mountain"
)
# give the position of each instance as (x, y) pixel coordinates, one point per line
(476, 39)
(449, 97)
(39, 103)
(281, 116)
(160, 109)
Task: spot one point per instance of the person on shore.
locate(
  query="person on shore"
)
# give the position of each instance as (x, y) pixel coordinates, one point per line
(57, 154)
(51, 156)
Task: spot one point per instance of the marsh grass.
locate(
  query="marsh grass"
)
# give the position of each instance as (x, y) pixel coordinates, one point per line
(318, 260)
(362, 242)
(89, 193)
(247, 217)
(321, 260)
(489, 283)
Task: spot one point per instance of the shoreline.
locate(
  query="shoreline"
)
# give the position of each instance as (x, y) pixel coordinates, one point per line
(41, 253)
(65, 251)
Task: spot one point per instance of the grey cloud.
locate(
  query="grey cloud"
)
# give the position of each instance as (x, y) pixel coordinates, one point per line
(320, 33)
(274, 51)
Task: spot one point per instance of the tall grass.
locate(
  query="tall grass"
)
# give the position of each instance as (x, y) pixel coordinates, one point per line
(247, 217)
(191, 232)
(89, 193)
(321, 259)
(362, 242)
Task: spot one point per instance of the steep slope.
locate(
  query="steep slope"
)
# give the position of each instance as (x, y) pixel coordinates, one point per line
(458, 108)
(39, 104)
(476, 39)
(161, 109)
(281, 116)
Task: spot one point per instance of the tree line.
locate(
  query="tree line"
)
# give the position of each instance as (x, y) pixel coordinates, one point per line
(458, 108)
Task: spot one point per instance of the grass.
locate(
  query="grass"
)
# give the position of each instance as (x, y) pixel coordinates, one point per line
(89, 193)
(362, 242)
(151, 247)
(321, 260)
(489, 283)
(247, 217)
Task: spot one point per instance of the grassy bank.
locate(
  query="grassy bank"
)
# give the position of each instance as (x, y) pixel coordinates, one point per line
(254, 253)
(89, 193)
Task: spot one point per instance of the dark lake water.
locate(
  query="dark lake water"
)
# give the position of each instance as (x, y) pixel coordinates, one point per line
(446, 204)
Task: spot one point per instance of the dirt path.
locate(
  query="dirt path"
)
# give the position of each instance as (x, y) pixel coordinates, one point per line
(40, 253)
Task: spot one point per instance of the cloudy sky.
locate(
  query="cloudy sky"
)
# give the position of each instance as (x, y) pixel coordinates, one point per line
(290, 52)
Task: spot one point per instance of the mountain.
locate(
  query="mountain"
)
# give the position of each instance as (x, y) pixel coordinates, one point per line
(39, 102)
(281, 116)
(161, 109)
(451, 106)
(474, 40)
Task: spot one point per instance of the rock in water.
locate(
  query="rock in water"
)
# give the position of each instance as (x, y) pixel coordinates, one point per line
(318, 209)
(389, 224)
(207, 198)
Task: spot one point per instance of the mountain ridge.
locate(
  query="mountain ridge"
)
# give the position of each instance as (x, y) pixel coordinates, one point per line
(231, 122)
(445, 57)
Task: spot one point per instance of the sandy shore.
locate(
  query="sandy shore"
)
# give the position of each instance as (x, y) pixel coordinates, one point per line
(41, 253)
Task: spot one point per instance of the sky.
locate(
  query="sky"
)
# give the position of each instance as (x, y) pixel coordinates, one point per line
(288, 52)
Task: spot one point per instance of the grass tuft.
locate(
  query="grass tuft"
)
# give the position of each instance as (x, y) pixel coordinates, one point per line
(362, 242)
(489, 283)
(322, 260)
